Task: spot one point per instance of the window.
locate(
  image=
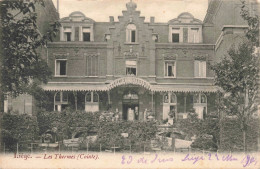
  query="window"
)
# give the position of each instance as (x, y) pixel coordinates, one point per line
(131, 68)
(200, 69)
(200, 105)
(91, 97)
(91, 102)
(194, 37)
(60, 101)
(61, 68)
(67, 34)
(170, 69)
(170, 98)
(199, 98)
(86, 34)
(175, 35)
(170, 105)
(92, 66)
(131, 33)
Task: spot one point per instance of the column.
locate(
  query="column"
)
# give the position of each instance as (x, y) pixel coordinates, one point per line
(72, 33)
(80, 33)
(185, 103)
(152, 102)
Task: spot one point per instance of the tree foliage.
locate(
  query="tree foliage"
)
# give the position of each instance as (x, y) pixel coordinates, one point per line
(21, 63)
(237, 74)
(252, 32)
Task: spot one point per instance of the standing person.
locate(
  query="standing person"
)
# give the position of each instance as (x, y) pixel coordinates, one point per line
(145, 114)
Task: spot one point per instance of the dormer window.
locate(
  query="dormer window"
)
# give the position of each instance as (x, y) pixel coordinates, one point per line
(67, 34)
(195, 38)
(175, 35)
(131, 33)
(86, 34)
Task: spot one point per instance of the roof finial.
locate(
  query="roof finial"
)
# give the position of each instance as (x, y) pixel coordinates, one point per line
(131, 5)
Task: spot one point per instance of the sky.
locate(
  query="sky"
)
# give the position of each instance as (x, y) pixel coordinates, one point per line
(162, 10)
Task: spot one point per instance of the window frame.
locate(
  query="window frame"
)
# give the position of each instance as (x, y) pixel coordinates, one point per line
(129, 33)
(192, 40)
(91, 74)
(199, 69)
(90, 33)
(60, 102)
(65, 38)
(175, 65)
(130, 67)
(199, 96)
(92, 97)
(56, 75)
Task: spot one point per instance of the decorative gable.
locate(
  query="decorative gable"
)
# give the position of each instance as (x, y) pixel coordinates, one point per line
(185, 18)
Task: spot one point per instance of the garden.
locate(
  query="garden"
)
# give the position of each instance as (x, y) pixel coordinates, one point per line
(100, 131)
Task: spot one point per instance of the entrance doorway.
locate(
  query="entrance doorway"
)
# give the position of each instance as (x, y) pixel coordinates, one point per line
(130, 107)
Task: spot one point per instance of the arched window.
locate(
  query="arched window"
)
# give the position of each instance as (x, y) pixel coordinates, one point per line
(199, 98)
(170, 98)
(131, 33)
(196, 98)
(173, 98)
(60, 98)
(95, 97)
(91, 102)
(88, 97)
(91, 97)
(203, 98)
(170, 105)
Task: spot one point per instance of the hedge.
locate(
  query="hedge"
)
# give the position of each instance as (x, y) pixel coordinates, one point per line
(18, 128)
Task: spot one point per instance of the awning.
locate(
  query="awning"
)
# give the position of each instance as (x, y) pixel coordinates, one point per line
(208, 88)
(74, 87)
(184, 88)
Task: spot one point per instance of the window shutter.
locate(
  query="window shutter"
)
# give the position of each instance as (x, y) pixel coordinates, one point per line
(185, 35)
(57, 68)
(165, 68)
(73, 33)
(196, 68)
(203, 68)
(80, 34)
(76, 33)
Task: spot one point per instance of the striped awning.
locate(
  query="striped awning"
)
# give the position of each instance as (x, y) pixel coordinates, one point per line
(106, 87)
(74, 87)
(184, 88)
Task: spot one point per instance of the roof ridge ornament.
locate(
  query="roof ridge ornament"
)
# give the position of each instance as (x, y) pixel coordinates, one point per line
(131, 5)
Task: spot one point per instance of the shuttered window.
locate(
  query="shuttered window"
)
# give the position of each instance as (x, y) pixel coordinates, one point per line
(200, 69)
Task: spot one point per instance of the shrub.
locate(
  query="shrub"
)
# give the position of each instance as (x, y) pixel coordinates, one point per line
(20, 128)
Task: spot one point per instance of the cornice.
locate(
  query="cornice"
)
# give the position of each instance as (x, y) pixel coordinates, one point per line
(184, 46)
(77, 44)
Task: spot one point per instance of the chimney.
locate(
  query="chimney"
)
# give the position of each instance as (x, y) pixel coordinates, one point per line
(111, 19)
(152, 19)
(58, 6)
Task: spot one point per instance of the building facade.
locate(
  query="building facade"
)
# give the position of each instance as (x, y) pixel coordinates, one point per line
(137, 68)
(133, 67)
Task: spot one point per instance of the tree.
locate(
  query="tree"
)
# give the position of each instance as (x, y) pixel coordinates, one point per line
(22, 67)
(237, 74)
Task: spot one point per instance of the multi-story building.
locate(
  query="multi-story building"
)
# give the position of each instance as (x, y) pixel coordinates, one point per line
(132, 67)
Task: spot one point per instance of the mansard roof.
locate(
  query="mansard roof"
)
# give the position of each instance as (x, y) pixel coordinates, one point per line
(185, 18)
(77, 16)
